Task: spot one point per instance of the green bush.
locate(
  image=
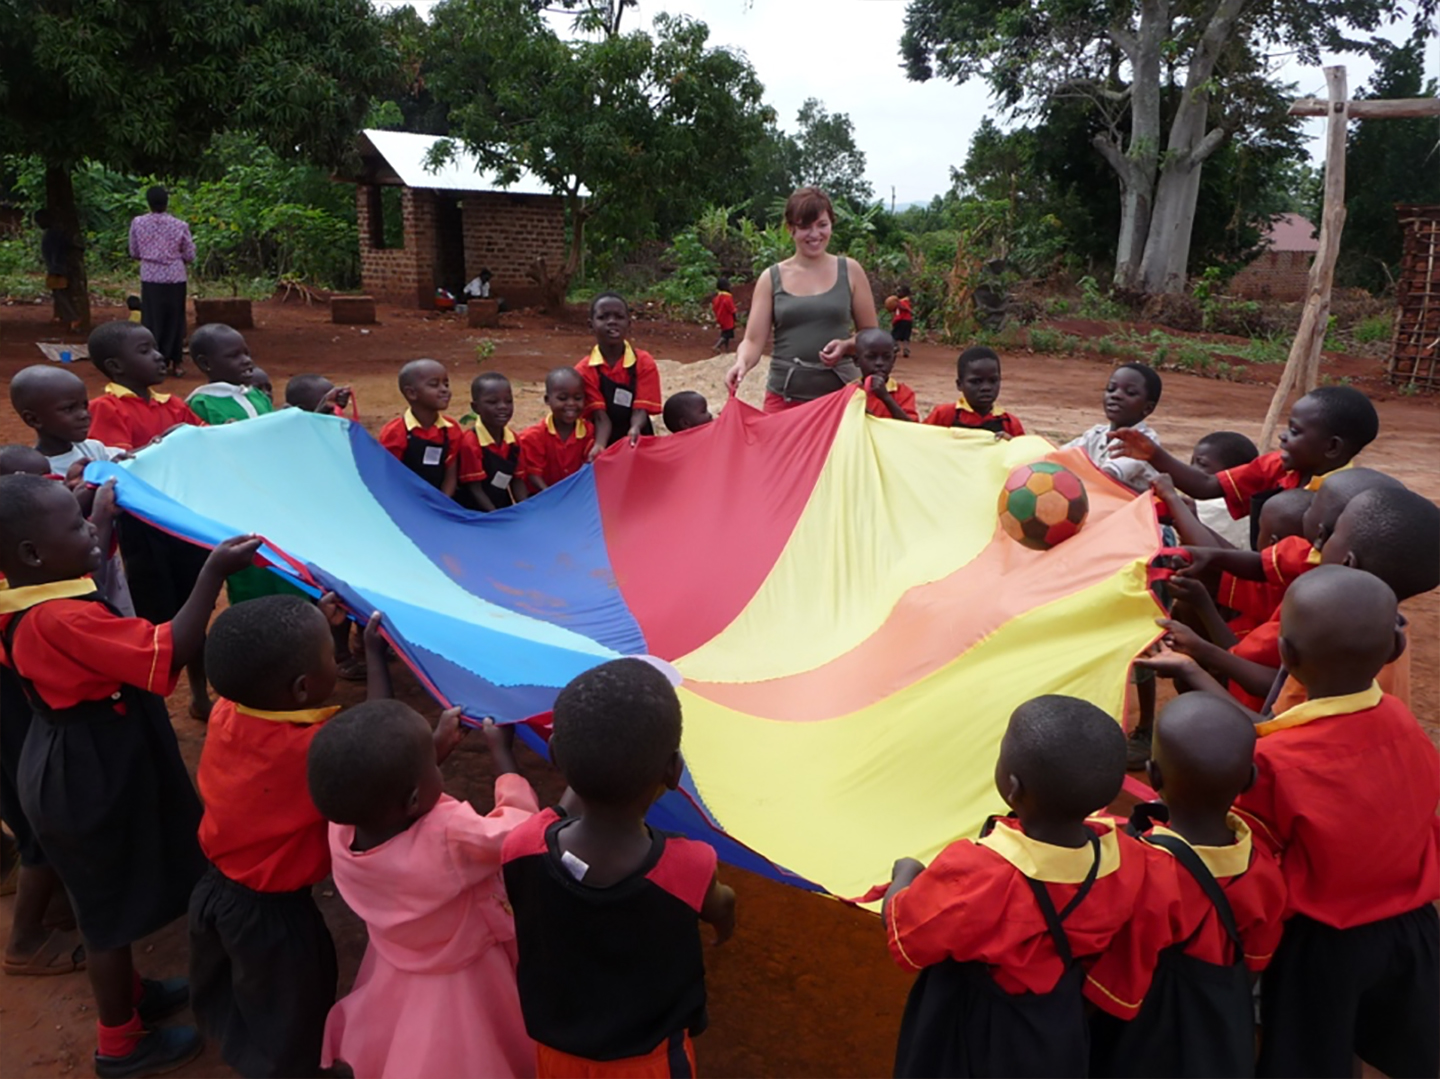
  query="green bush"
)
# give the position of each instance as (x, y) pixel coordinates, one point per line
(1374, 328)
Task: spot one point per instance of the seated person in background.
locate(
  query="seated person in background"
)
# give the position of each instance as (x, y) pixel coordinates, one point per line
(884, 397)
(1197, 1015)
(1327, 428)
(260, 380)
(622, 383)
(424, 439)
(685, 410)
(490, 467)
(1358, 970)
(1213, 454)
(132, 304)
(977, 377)
(1003, 929)
(224, 357)
(559, 445)
(316, 393)
(1131, 394)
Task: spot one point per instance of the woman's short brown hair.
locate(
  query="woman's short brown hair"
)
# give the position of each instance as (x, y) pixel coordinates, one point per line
(805, 206)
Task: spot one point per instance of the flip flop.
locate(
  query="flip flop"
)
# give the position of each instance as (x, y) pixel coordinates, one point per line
(62, 953)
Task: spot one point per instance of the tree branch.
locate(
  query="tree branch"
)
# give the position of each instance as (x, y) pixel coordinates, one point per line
(1205, 147)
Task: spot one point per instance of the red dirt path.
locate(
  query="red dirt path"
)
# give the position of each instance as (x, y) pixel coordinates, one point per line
(806, 986)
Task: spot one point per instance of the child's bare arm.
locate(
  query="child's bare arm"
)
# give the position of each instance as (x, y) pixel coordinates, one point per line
(377, 670)
(477, 492)
(1189, 527)
(876, 385)
(537, 483)
(501, 743)
(1246, 565)
(518, 491)
(187, 628)
(902, 875)
(452, 471)
(603, 430)
(719, 909)
(1128, 442)
(1202, 603)
(1256, 679)
(448, 733)
(638, 416)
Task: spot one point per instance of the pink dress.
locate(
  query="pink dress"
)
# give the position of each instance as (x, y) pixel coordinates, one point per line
(436, 994)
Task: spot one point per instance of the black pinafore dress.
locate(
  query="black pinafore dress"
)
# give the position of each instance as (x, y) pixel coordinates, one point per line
(419, 456)
(108, 796)
(958, 1022)
(499, 459)
(621, 412)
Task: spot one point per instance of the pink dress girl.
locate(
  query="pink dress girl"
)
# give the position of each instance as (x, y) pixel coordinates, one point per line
(436, 992)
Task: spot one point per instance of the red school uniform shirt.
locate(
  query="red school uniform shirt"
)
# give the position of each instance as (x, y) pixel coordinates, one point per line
(973, 904)
(544, 453)
(903, 311)
(121, 417)
(1345, 796)
(1266, 473)
(396, 434)
(724, 307)
(478, 447)
(260, 827)
(1282, 563)
(75, 650)
(960, 414)
(904, 397)
(636, 364)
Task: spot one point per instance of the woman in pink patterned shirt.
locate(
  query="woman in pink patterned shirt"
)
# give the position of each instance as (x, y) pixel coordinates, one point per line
(163, 245)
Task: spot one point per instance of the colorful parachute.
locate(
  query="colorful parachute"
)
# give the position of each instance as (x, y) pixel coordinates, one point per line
(852, 627)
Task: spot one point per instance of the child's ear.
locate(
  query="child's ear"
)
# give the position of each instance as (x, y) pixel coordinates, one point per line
(1401, 641)
(112, 367)
(30, 554)
(1150, 407)
(29, 419)
(1011, 790)
(1154, 775)
(673, 770)
(300, 689)
(412, 804)
(1288, 656)
(1335, 449)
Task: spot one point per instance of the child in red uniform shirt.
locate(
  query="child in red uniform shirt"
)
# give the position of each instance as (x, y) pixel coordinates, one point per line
(559, 445)
(884, 397)
(1327, 428)
(491, 473)
(262, 963)
(100, 776)
(724, 307)
(902, 322)
(161, 570)
(424, 439)
(1346, 793)
(1002, 929)
(977, 377)
(622, 383)
(1197, 1015)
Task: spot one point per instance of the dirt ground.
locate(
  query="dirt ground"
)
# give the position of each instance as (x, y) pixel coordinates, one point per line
(806, 986)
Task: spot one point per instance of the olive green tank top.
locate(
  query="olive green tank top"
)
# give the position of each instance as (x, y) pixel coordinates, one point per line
(803, 326)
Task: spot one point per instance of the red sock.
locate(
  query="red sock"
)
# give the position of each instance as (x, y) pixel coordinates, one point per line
(139, 990)
(119, 1041)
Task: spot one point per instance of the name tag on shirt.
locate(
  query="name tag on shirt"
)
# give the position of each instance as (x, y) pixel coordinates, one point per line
(501, 479)
(623, 397)
(434, 454)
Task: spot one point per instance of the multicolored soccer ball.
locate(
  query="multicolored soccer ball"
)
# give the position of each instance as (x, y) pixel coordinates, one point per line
(892, 304)
(1043, 504)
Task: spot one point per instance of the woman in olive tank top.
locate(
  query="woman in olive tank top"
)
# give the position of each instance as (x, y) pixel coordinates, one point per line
(810, 301)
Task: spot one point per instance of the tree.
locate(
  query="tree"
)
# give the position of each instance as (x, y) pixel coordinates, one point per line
(1121, 56)
(143, 88)
(824, 154)
(1395, 162)
(652, 128)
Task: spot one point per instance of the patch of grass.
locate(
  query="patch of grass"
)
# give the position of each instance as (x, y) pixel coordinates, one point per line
(1410, 389)
(1374, 328)
(485, 348)
(1265, 350)
(1330, 380)
(1043, 340)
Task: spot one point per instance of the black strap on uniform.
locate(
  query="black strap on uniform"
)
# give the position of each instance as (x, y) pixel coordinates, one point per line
(1186, 856)
(1055, 921)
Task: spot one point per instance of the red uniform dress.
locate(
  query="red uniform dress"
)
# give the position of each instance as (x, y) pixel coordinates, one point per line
(631, 382)
(100, 776)
(1345, 795)
(1255, 601)
(904, 397)
(902, 322)
(960, 414)
(724, 307)
(120, 417)
(545, 454)
(492, 462)
(1260, 478)
(425, 451)
(1197, 1015)
(262, 964)
(973, 923)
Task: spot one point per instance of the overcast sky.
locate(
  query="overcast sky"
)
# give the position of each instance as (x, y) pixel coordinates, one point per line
(846, 53)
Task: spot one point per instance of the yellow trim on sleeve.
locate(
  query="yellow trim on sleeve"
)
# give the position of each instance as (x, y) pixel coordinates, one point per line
(1322, 708)
(895, 931)
(1126, 1004)
(154, 659)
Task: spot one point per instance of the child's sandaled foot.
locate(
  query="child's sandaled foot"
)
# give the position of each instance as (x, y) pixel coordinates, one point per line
(62, 953)
(352, 669)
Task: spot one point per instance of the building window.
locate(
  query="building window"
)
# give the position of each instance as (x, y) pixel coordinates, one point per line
(386, 216)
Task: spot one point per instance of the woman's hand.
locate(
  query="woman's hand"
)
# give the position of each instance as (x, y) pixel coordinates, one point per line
(735, 376)
(837, 350)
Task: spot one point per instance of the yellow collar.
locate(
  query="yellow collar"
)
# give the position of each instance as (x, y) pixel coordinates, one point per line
(550, 426)
(304, 717)
(32, 595)
(1047, 862)
(597, 360)
(114, 389)
(1321, 708)
(1317, 480)
(964, 406)
(721, 292)
(411, 422)
(487, 439)
(1228, 861)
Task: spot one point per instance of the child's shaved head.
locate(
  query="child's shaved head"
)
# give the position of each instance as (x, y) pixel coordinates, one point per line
(32, 387)
(107, 339)
(18, 459)
(873, 338)
(1283, 515)
(416, 370)
(487, 379)
(1067, 754)
(1337, 620)
(560, 377)
(1203, 756)
(1393, 533)
(1335, 494)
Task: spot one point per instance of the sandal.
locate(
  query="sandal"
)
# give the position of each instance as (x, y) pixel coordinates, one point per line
(62, 953)
(353, 669)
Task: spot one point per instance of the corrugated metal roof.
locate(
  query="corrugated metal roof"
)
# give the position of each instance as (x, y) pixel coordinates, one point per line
(1291, 232)
(406, 154)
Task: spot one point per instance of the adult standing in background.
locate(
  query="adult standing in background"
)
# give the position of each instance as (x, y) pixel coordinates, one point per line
(810, 301)
(163, 245)
(57, 249)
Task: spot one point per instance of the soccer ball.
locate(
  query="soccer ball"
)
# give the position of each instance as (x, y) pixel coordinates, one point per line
(892, 304)
(1042, 504)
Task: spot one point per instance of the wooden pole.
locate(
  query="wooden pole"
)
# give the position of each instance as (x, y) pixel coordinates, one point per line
(1303, 365)
(1399, 108)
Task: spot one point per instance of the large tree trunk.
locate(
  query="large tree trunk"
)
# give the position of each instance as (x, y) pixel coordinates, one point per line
(60, 199)
(554, 286)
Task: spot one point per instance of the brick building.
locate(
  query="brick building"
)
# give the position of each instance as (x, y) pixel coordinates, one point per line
(1282, 270)
(423, 229)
